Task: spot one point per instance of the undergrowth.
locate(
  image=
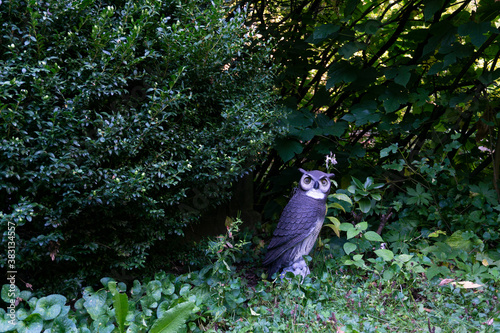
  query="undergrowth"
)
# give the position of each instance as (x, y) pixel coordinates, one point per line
(231, 295)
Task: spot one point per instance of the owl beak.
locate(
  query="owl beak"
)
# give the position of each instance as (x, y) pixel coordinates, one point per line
(316, 185)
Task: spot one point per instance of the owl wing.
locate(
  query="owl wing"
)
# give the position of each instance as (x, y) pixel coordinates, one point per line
(297, 222)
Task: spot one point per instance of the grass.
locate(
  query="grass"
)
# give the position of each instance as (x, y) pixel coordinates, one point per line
(343, 300)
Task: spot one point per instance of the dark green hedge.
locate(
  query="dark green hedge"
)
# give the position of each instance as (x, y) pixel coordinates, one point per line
(118, 118)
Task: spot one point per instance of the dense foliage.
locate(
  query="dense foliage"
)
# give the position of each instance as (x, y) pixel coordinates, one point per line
(119, 120)
(403, 91)
(359, 77)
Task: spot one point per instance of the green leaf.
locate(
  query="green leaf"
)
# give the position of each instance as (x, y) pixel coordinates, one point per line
(476, 31)
(341, 71)
(431, 7)
(397, 165)
(385, 254)
(335, 226)
(324, 31)
(8, 294)
(63, 325)
(371, 27)
(357, 183)
(488, 10)
(373, 236)
(287, 148)
(346, 226)
(363, 113)
(365, 205)
(403, 77)
(368, 182)
(154, 289)
(362, 117)
(393, 97)
(50, 307)
(95, 303)
(336, 205)
(388, 275)
(435, 270)
(349, 247)
(404, 257)
(347, 50)
(362, 226)
(343, 197)
(401, 74)
(120, 303)
(437, 233)
(460, 240)
(353, 232)
(174, 319)
(31, 324)
(350, 6)
(391, 149)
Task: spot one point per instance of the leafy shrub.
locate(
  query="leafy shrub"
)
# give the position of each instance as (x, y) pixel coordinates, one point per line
(399, 249)
(435, 198)
(120, 121)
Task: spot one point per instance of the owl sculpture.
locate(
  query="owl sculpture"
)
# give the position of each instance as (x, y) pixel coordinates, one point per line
(299, 225)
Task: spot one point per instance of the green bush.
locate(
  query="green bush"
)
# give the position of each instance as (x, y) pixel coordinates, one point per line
(121, 121)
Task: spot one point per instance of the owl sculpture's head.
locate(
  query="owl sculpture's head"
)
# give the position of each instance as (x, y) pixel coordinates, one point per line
(315, 183)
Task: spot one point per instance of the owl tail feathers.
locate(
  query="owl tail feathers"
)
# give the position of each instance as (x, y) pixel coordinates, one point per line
(272, 264)
(273, 268)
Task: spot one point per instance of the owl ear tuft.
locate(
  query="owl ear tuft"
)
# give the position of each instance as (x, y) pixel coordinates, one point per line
(330, 175)
(302, 170)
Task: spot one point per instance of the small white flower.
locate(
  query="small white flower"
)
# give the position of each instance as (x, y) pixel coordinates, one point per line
(330, 159)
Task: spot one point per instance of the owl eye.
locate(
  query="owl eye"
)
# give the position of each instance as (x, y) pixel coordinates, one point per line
(324, 182)
(307, 180)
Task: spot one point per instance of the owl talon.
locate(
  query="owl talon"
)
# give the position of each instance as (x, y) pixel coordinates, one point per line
(299, 267)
